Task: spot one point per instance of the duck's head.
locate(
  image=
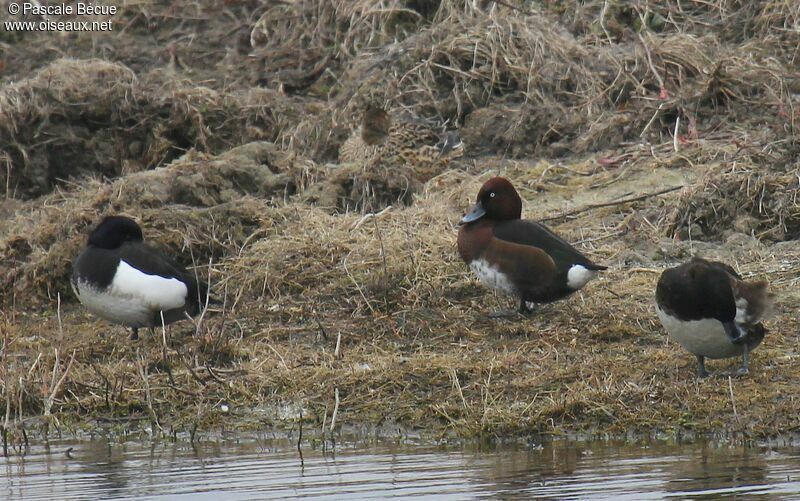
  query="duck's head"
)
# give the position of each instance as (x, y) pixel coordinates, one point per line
(497, 200)
(113, 231)
(375, 125)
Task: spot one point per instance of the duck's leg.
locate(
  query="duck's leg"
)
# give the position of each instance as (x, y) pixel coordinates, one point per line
(523, 307)
(701, 367)
(745, 368)
(523, 310)
(134, 333)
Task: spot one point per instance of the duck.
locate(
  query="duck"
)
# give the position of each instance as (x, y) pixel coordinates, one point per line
(120, 278)
(708, 309)
(516, 256)
(401, 143)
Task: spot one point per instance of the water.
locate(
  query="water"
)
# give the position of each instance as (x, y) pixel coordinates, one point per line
(254, 469)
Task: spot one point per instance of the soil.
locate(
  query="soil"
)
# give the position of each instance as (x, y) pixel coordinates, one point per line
(644, 135)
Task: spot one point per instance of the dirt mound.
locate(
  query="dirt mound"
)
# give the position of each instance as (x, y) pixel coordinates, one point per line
(79, 117)
(518, 80)
(359, 188)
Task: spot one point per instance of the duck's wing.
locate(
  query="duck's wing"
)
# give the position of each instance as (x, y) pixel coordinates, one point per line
(529, 268)
(533, 234)
(711, 297)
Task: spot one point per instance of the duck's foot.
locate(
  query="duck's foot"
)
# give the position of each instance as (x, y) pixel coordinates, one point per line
(134, 334)
(504, 314)
(741, 371)
(745, 367)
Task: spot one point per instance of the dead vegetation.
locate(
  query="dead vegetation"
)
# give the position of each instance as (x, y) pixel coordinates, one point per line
(670, 130)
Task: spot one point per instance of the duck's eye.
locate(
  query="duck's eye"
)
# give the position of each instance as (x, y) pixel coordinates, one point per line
(491, 195)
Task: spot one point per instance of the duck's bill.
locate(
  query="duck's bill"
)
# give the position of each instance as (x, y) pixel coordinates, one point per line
(476, 212)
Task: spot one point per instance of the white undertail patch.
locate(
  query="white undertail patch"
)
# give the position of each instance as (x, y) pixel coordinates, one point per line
(578, 276)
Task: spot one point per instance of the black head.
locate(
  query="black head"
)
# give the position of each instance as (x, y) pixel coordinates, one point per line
(375, 125)
(497, 200)
(113, 231)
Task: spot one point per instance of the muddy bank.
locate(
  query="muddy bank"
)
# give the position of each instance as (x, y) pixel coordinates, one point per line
(643, 137)
(378, 310)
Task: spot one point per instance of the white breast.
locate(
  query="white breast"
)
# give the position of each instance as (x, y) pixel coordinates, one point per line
(134, 298)
(491, 276)
(705, 337)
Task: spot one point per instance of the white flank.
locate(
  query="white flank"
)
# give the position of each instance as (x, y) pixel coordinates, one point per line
(578, 276)
(158, 292)
(705, 337)
(491, 276)
(133, 298)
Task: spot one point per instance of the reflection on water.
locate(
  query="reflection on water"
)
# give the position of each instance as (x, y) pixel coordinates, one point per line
(271, 469)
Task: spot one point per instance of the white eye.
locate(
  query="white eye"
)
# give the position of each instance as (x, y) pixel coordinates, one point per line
(491, 195)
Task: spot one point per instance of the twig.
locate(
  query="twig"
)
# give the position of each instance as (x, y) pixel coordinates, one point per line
(321, 329)
(335, 407)
(164, 355)
(644, 270)
(730, 387)
(369, 216)
(338, 345)
(610, 204)
(300, 439)
(7, 388)
(143, 374)
(385, 267)
(603, 13)
(279, 356)
(652, 119)
(55, 386)
(189, 368)
(512, 7)
(650, 63)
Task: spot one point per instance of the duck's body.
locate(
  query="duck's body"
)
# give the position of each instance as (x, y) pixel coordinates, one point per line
(707, 308)
(125, 281)
(400, 143)
(519, 257)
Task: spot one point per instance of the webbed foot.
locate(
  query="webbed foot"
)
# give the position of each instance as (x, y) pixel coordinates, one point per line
(503, 314)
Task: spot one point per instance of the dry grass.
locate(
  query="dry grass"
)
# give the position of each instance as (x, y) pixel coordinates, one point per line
(415, 346)
(369, 301)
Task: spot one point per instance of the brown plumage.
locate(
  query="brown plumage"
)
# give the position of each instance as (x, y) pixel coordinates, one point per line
(400, 143)
(519, 257)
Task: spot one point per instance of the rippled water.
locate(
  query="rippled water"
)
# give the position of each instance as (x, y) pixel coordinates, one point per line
(271, 469)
